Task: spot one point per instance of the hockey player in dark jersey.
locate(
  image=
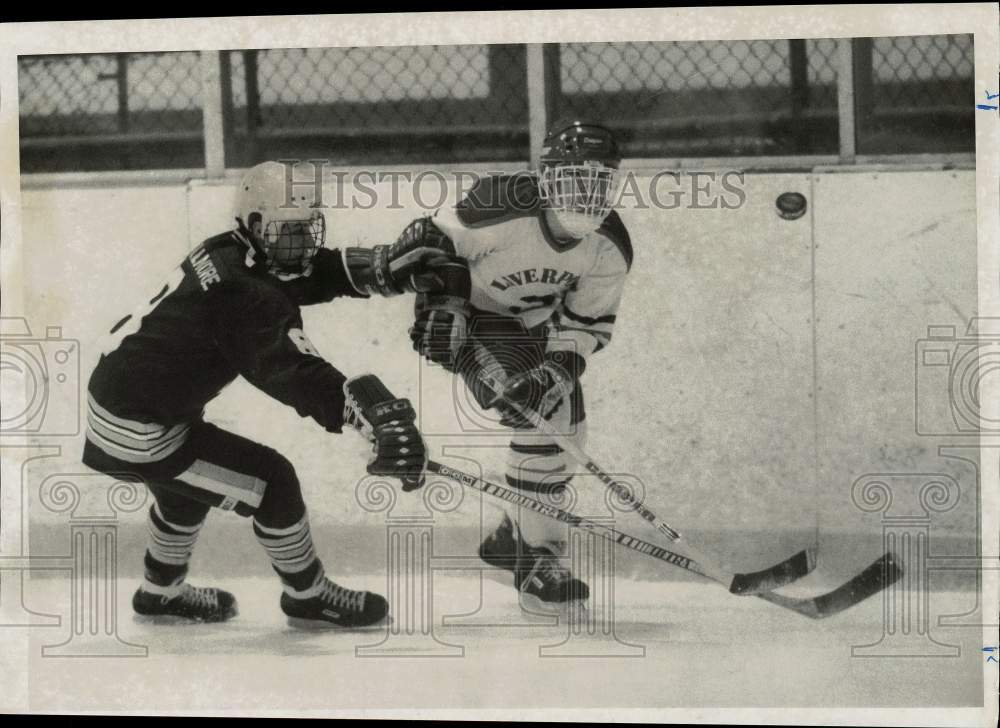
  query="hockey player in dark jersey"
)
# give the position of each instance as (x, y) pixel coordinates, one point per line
(538, 266)
(232, 308)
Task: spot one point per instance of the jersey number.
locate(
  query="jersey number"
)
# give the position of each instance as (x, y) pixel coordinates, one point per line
(303, 344)
(533, 303)
(131, 323)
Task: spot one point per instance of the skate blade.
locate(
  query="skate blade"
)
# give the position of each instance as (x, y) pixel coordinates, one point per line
(172, 619)
(572, 610)
(321, 625)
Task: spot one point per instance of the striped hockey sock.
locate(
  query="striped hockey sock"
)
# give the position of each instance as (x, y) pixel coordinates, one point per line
(293, 556)
(168, 552)
(537, 467)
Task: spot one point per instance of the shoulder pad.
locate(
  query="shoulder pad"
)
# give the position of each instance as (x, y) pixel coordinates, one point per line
(614, 230)
(223, 241)
(225, 247)
(499, 198)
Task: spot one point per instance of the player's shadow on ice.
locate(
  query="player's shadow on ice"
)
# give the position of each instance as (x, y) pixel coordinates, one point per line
(240, 636)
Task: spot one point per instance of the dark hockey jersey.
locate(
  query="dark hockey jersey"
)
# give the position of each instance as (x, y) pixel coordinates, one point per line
(220, 315)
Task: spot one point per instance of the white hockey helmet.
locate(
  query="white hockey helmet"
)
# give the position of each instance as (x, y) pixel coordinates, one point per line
(281, 219)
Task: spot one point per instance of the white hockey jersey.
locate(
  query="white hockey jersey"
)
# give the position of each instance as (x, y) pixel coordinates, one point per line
(519, 270)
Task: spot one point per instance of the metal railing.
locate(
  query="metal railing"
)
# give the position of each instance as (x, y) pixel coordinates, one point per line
(763, 103)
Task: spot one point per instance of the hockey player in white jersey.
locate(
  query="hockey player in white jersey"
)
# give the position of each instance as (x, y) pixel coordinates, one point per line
(532, 268)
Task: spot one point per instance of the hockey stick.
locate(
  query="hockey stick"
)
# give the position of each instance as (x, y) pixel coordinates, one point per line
(876, 577)
(884, 571)
(606, 532)
(780, 574)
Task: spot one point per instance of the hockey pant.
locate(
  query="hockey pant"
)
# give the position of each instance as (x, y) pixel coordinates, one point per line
(534, 464)
(193, 467)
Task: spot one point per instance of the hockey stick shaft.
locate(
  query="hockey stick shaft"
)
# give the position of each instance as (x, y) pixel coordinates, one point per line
(598, 529)
(884, 572)
(780, 574)
(618, 488)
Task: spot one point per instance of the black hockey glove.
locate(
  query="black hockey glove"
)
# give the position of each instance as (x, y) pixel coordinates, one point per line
(388, 423)
(390, 270)
(441, 317)
(540, 390)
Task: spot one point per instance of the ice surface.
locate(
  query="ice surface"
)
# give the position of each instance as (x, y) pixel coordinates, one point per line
(690, 644)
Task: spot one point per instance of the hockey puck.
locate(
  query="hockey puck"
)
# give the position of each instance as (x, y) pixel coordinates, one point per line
(791, 205)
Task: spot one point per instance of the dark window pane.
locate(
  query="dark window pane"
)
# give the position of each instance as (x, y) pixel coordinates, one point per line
(705, 98)
(412, 104)
(915, 94)
(110, 111)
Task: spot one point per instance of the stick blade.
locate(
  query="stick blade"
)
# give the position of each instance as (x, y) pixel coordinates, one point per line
(883, 572)
(765, 580)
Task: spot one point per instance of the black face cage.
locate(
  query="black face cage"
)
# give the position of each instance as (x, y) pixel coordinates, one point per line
(291, 244)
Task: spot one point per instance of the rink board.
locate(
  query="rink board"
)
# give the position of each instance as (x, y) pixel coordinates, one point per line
(760, 369)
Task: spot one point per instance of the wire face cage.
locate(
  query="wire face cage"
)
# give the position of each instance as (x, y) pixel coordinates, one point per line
(580, 195)
(290, 245)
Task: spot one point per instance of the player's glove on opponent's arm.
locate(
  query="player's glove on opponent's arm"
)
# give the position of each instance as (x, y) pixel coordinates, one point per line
(442, 316)
(540, 390)
(388, 423)
(406, 265)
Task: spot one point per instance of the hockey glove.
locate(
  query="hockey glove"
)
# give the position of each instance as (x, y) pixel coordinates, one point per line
(388, 423)
(540, 390)
(406, 265)
(441, 317)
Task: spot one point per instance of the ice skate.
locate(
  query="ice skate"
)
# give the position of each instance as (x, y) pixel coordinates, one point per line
(336, 607)
(538, 574)
(183, 603)
(501, 548)
(545, 583)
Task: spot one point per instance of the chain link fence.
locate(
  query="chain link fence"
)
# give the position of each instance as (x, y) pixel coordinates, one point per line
(469, 103)
(379, 105)
(704, 98)
(110, 111)
(915, 94)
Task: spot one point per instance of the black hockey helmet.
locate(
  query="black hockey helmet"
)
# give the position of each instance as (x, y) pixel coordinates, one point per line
(574, 141)
(579, 164)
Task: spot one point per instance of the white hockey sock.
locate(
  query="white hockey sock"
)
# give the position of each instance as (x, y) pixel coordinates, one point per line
(169, 592)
